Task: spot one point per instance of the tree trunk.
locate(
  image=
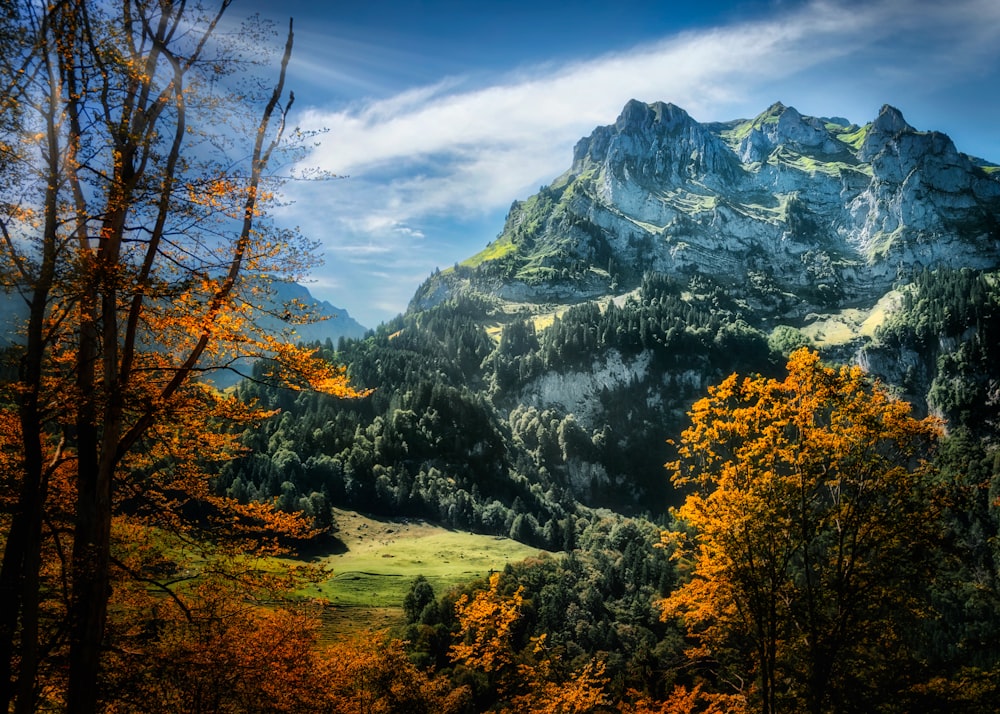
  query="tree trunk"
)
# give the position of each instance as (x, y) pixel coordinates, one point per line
(89, 606)
(91, 536)
(21, 553)
(25, 523)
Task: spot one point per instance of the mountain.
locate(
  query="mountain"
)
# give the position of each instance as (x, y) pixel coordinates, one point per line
(814, 228)
(326, 321)
(291, 311)
(792, 213)
(544, 377)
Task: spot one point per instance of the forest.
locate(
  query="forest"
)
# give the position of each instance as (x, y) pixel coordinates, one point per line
(446, 437)
(735, 523)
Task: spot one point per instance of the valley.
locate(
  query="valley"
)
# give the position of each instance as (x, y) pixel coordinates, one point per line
(711, 425)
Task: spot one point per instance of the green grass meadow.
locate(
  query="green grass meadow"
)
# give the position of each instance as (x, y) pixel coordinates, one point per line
(383, 558)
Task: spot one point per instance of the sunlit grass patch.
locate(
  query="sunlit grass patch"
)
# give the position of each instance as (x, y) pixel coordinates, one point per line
(384, 557)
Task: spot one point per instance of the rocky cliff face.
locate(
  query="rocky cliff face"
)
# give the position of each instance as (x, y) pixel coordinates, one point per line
(799, 213)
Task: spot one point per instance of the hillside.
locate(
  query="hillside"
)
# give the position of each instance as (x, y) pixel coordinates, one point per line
(543, 377)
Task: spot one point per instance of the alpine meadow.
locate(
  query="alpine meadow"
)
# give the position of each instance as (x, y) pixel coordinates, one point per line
(710, 426)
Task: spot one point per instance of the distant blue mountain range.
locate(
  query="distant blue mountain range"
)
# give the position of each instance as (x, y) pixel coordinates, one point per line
(332, 322)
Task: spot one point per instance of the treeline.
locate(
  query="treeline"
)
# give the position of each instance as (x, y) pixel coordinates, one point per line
(454, 434)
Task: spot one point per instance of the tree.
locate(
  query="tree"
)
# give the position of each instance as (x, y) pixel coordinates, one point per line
(373, 675)
(804, 534)
(133, 226)
(205, 642)
(419, 596)
(487, 629)
(581, 692)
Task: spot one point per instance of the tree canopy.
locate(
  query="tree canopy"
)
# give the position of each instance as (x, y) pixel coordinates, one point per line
(804, 533)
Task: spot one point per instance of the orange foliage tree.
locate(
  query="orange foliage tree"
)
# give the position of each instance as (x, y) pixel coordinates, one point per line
(216, 641)
(682, 700)
(545, 690)
(134, 190)
(528, 678)
(373, 675)
(804, 533)
(486, 636)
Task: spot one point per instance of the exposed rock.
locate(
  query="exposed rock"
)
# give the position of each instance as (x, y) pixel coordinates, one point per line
(815, 209)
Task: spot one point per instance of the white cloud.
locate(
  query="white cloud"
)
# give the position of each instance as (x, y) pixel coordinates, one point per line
(514, 133)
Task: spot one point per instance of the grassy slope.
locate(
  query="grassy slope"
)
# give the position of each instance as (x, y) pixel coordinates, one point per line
(384, 556)
(845, 325)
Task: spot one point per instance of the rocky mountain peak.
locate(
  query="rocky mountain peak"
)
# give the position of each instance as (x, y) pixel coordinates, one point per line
(654, 143)
(798, 213)
(886, 128)
(638, 126)
(890, 121)
(784, 126)
(638, 116)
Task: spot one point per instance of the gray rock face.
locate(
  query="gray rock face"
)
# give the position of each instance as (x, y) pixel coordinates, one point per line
(784, 204)
(791, 129)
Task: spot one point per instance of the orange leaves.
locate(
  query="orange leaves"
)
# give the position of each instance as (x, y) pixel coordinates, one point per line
(10, 456)
(261, 525)
(530, 679)
(143, 221)
(485, 639)
(373, 675)
(226, 195)
(692, 701)
(301, 368)
(213, 654)
(581, 693)
(809, 499)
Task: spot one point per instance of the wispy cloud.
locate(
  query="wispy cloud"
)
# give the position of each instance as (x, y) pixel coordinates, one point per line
(448, 149)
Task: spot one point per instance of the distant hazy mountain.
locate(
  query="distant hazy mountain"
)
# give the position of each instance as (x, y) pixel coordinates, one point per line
(329, 322)
(332, 322)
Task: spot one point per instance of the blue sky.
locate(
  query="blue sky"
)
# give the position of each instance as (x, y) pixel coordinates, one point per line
(443, 113)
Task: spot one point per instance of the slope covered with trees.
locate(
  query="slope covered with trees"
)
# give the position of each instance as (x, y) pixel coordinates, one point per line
(820, 548)
(452, 432)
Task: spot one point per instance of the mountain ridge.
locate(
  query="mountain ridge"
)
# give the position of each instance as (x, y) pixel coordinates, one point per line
(791, 205)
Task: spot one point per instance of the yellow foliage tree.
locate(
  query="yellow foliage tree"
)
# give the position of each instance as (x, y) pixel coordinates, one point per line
(803, 535)
(695, 700)
(485, 638)
(134, 191)
(582, 692)
(528, 679)
(373, 675)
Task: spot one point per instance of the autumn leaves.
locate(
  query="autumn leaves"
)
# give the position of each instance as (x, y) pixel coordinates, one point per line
(133, 210)
(804, 537)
